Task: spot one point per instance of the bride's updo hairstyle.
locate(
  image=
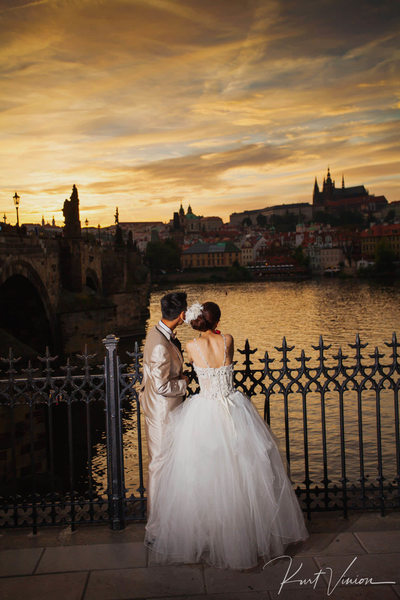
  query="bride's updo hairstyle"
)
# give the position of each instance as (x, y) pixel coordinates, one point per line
(208, 318)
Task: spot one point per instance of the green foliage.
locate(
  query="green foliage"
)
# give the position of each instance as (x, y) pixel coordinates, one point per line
(390, 216)
(163, 255)
(261, 220)
(286, 222)
(237, 273)
(384, 258)
(341, 218)
(301, 257)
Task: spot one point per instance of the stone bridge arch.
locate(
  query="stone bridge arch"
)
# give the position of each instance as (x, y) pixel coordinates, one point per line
(21, 285)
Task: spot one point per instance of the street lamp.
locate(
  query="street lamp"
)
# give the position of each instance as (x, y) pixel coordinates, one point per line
(98, 231)
(87, 233)
(16, 202)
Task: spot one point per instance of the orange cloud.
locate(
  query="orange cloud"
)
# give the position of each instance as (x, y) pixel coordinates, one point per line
(144, 103)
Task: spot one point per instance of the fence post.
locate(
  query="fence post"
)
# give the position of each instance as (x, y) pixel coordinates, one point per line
(115, 457)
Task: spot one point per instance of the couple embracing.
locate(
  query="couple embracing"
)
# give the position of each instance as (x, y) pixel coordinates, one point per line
(218, 491)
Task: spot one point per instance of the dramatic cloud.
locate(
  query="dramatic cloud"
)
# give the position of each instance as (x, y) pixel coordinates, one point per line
(221, 104)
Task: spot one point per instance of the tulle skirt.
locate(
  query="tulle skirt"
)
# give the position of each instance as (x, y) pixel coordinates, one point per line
(223, 496)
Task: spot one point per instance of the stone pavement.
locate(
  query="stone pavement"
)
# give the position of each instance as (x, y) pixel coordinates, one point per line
(95, 563)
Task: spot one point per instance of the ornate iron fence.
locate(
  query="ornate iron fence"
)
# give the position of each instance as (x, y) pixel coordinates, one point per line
(71, 435)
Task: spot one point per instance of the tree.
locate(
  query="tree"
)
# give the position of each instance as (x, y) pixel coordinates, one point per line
(344, 218)
(384, 258)
(300, 257)
(246, 222)
(390, 215)
(163, 255)
(261, 220)
(286, 222)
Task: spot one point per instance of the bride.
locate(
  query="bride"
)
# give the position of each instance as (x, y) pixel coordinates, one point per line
(223, 495)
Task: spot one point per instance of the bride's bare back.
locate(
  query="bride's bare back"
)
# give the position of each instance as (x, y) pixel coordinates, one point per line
(210, 346)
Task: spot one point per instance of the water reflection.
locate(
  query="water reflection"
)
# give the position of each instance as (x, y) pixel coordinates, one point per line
(264, 312)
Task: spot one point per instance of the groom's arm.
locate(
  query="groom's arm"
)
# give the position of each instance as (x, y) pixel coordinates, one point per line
(161, 374)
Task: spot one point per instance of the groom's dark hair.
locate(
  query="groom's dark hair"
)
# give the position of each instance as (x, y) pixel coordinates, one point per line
(173, 304)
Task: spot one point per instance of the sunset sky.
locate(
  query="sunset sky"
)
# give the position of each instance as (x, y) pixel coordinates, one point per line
(224, 104)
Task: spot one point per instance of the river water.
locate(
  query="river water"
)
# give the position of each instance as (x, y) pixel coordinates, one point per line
(264, 312)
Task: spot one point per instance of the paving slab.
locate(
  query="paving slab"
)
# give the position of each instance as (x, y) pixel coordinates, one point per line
(228, 596)
(380, 567)
(151, 582)
(373, 521)
(94, 556)
(315, 544)
(364, 593)
(327, 522)
(319, 543)
(345, 543)
(153, 560)
(65, 586)
(19, 562)
(64, 536)
(380, 541)
(268, 578)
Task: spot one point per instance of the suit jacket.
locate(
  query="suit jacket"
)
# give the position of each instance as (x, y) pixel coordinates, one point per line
(162, 387)
(161, 391)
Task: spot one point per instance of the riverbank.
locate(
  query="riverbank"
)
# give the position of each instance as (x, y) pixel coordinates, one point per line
(222, 275)
(242, 274)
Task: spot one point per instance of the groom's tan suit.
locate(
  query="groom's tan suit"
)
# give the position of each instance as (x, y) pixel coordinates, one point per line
(163, 389)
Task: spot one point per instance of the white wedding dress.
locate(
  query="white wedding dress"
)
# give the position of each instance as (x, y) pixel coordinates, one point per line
(223, 495)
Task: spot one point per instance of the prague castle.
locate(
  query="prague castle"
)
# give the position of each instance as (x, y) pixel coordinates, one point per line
(331, 198)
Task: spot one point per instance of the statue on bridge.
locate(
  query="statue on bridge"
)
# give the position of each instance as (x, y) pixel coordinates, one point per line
(72, 227)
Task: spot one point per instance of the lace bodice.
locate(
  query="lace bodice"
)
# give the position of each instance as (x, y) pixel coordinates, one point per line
(216, 382)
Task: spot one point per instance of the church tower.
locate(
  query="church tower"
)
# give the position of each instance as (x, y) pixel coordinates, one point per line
(181, 216)
(329, 187)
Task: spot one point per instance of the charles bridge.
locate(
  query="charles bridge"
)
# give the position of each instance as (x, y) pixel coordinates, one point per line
(57, 291)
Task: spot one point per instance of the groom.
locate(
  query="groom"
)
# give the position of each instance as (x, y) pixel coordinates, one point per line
(164, 386)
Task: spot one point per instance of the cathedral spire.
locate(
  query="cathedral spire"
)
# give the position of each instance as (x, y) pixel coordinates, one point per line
(328, 177)
(316, 192)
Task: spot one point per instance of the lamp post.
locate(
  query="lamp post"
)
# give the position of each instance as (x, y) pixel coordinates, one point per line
(16, 202)
(98, 232)
(87, 232)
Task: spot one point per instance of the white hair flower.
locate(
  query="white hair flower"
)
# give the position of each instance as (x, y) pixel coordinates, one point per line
(193, 312)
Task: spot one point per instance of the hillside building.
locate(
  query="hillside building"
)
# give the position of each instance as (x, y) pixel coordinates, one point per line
(222, 254)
